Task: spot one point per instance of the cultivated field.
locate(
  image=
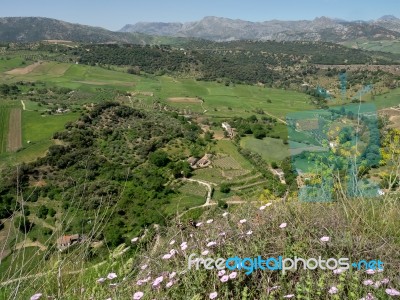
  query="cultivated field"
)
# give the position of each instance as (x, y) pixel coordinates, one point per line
(14, 130)
(4, 117)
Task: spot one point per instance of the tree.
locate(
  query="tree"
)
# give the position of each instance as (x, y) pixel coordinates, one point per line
(42, 212)
(159, 158)
(225, 188)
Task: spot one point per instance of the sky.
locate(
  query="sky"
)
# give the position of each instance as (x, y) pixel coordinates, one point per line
(114, 14)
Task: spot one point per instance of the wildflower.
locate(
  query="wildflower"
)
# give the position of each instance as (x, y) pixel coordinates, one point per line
(233, 275)
(385, 281)
(368, 282)
(144, 267)
(112, 276)
(221, 273)
(139, 282)
(172, 252)
(205, 252)
(36, 296)
(147, 279)
(210, 221)
(101, 280)
(213, 295)
(242, 221)
(199, 224)
(172, 275)
(380, 270)
(288, 296)
(138, 295)
(157, 281)
(268, 204)
(222, 234)
(273, 288)
(368, 297)
(283, 225)
(338, 271)
(262, 207)
(249, 232)
(134, 239)
(333, 290)
(224, 278)
(324, 239)
(225, 214)
(167, 256)
(377, 284)
(184, 246)
(172, 242)
(169, 284)
(392, 292)
(370, 271)
(210, 244)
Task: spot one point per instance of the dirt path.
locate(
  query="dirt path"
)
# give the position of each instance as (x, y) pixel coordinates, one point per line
(15, 130)
(206, 184)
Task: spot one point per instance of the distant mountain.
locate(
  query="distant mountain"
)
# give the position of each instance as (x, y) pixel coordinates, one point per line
(29, 29)
(319, 29)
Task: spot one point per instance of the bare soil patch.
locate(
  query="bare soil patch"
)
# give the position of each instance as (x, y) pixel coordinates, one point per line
(15, 130)
(25, 70)
(184, 100)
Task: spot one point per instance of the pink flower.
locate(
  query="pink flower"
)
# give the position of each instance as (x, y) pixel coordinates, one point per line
(368, 297)
(224, 278)
(139, 282)
(333, 290)
(324, 239)
(221, 273)
(288, 296)
(210, 244)
(138, 295)
(283, 225)
(134, 239)
(385, 281)
(172, 252)
(112, 276)
(184, 246)
(210, 221)
(36, 296)
(213, 295)
(225, 214)
(157, 281)
(167, 256)
(233, 275)
(101, 280)
(169, 284)
(242, 221)
(370, 271)
(205, 252)
(368, 282)
(338, 271)
(392, 292)
(172, 275)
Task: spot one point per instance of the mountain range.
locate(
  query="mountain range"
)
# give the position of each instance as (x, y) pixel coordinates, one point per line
(319, 29)
(28, 29)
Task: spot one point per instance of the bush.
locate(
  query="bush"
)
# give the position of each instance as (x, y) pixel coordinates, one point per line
(225, 188)
(222, 204)
(42, 212)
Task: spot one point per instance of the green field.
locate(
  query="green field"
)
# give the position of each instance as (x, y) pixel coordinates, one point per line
(270, 149)
(392, 46)
(4, 118)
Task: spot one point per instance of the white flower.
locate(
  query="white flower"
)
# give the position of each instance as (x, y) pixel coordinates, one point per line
(392, 292)
(338, 271)
(101, 280)
(370, 271)
(144, 267)
(210, 221)
(210, 244)
(172, 275)
(157, 281)
(325, 239)
(112, 276)
(368, 282)
(138, 295)
(213, 295)
(262, 207)
(36, 296)
(167, 256)
(249, 232)
(242, 221)
(205, 252)
(288, 296)
(172, 242)
(283, 225)
(199, 224)
(225, 214)
(134, 239)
